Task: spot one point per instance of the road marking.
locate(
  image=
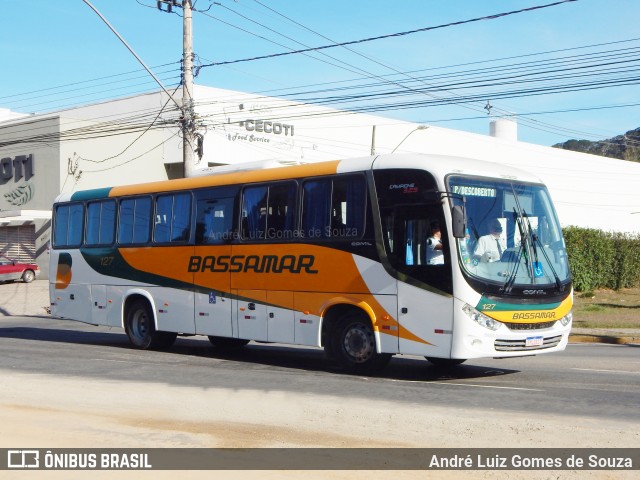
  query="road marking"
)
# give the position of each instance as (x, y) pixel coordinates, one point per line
(607, 371)
(490, 386)
(426, 382)
(146, 362)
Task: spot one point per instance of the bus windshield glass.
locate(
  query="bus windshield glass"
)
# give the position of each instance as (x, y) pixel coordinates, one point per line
(513, 238)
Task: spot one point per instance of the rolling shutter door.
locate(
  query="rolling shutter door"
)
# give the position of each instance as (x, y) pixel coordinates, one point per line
(18, 243)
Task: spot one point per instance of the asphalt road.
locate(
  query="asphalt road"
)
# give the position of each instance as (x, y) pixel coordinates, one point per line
(587, 380)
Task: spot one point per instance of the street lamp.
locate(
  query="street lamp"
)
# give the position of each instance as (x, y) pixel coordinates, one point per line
(419, 127)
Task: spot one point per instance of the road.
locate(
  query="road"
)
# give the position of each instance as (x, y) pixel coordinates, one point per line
(585, 380)
(66, 384)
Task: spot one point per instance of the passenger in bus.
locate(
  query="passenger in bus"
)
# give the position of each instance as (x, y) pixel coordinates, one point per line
(435, 255)
(490, 247)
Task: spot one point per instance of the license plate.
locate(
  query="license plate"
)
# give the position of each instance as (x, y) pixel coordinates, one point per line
(534, 342)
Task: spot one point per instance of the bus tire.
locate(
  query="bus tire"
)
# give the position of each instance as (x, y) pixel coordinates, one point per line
(227, 343)
(141, 330)
(445, 362)
(354, 345)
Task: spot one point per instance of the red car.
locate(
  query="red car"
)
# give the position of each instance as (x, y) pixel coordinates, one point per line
(11, 270)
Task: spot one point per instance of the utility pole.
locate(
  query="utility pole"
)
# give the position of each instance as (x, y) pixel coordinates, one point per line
(190, 136)
(188, 123)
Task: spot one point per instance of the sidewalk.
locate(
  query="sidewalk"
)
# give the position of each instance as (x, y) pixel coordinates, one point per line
(24, 299)
(32, 299)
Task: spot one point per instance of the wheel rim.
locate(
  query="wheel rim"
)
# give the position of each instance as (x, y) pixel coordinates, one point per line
(359, 343)
(28, 277)
(140, 326)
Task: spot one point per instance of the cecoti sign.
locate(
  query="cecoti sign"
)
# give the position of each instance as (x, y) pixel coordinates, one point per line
(18, 167)
(267, 126)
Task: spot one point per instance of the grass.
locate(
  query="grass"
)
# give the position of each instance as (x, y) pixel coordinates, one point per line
(607, 309)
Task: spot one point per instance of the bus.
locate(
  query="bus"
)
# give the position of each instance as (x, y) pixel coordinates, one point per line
(334, 254)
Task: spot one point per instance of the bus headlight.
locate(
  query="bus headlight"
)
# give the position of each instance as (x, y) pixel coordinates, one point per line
(480, 318)
(566, 320)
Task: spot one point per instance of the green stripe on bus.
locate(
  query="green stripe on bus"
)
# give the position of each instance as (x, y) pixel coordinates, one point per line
(107, 261)
(95, 194)
(486, 304)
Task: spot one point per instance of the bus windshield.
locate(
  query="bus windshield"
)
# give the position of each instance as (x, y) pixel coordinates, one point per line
(513, 238)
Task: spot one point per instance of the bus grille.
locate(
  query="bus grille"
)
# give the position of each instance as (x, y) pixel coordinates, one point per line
(530, 326)
(519, 345)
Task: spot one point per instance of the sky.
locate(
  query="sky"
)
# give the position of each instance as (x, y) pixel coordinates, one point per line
(567, 71)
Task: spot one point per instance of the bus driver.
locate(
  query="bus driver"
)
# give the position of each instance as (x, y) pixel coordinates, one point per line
(491, 246)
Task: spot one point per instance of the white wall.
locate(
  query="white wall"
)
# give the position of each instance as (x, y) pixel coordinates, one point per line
(99, 160)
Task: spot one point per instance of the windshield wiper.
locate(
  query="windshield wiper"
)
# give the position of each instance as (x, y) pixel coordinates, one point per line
(536, 239)
(525, 238)
(511, 276)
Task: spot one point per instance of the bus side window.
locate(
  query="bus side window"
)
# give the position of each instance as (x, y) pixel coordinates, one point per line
(316, 208)
(348, 203)
(214, 221)
(254, 213)
(334, 207)
(134, 221)
(173, 218)
(101, 222)
(69, 225)
(280, 211)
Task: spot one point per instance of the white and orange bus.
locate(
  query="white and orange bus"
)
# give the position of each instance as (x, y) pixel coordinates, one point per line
(342, 255)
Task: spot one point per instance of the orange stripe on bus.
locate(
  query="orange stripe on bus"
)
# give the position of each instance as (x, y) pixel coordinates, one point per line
(335, 271)
(232, 178)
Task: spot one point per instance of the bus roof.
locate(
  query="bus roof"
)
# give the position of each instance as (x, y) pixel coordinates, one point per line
(437, 165)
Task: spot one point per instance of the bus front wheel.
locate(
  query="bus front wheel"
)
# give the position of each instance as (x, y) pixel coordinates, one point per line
(354, 346)
(141, 330)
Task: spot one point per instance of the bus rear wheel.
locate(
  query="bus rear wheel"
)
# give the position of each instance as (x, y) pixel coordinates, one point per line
(354, 346)
(141, 330)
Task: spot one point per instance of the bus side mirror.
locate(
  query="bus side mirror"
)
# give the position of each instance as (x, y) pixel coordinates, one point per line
(458, 221)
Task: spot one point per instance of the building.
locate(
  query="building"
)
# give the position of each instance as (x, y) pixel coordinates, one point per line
(137, 139)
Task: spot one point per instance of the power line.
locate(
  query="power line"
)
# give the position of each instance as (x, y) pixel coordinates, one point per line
(75, 84)
(392, 35)
(532, 123)
(137, 138)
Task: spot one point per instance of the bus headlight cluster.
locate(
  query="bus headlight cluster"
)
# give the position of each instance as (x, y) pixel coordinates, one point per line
(480, 318)
(566, 320)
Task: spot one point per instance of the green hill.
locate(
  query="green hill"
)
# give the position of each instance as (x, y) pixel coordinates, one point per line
(624, 147)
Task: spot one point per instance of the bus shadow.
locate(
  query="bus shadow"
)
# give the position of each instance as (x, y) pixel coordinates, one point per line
(97, 338)
(313, 359)
(260, 354)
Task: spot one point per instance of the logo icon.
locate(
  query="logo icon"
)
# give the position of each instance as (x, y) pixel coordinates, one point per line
(23, 459)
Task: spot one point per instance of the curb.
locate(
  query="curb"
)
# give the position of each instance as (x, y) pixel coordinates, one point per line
(610, 339)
